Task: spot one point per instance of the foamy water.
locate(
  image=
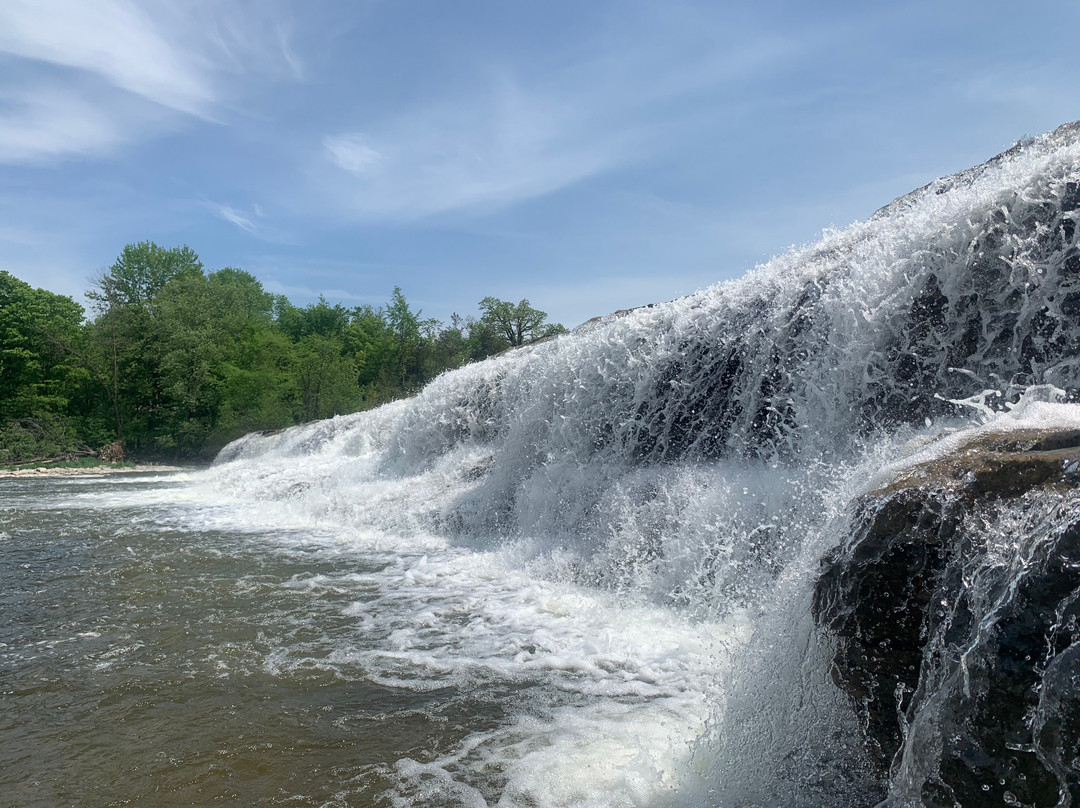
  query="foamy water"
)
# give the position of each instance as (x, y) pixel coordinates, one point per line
(573, 696)
(576, 574)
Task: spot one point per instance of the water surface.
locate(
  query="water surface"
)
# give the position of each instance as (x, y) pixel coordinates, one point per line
(148, 657)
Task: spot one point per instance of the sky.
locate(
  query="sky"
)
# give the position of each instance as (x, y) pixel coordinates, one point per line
(588, 155)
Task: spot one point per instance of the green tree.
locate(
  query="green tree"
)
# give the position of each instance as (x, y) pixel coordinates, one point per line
(404, 326)
(140, 272)
(327, 378)
(187, 331)
(239, 299)
(36, 374)
(254, 365)
(318, 318)
(227, 369)
(46, 404)
(179, 359)
(127, 354)
(484, 339)
(450, 346)
(259, 386)
(370, 343)
(518, 324)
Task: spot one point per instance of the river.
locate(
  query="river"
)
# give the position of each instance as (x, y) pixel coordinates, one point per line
(159, 650)
(577, 574)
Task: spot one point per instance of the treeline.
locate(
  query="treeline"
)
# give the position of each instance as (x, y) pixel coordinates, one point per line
(175, 361)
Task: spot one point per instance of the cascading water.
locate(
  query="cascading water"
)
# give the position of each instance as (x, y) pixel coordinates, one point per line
(633, 515)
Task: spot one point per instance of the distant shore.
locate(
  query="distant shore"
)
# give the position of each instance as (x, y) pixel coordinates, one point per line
(59, 471)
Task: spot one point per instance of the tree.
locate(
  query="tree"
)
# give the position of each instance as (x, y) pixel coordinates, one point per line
(518, 324)
(327, 378)
(254, 362)
(318, 318)
(450, 346)
(129, 353)
(186, 330)
(259, 386)
(370, 343)
(40, 383)
(34, 367)
(240, 300)
(140, 272)
(225, 368)
(404, 325)
(181, 359)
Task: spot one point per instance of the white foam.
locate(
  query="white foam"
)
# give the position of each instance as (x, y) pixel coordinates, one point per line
(625, 518)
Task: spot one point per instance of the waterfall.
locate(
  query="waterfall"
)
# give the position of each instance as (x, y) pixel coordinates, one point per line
(701, 455)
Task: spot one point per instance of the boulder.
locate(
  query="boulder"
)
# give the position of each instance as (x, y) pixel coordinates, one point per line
(953, 611)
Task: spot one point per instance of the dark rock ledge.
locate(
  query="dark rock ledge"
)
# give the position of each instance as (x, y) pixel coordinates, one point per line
(953, 610)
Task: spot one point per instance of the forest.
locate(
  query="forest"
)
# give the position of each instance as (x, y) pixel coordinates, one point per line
(173, 361)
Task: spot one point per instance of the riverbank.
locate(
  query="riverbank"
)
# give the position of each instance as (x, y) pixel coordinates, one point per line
(61, 471)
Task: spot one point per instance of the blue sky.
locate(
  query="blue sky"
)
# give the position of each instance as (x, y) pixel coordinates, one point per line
(588, 156)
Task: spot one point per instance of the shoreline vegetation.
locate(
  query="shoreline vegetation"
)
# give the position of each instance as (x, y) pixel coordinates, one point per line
(173, 361)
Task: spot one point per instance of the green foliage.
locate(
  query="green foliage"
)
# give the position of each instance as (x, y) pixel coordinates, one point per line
(36, 375)
(25, 439)
(406, 338)
(257, 385)
(179, 361)
(140, 272)
(327, 378)
(518, 324)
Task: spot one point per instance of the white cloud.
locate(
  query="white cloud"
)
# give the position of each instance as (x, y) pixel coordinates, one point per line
(300, 295)
(351, 153)
(86, 75)
(20, 237)
(114, 39)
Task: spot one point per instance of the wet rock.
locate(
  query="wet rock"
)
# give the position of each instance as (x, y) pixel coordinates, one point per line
(953, 610)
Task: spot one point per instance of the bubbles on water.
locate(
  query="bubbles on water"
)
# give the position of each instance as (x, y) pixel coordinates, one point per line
(603, 545)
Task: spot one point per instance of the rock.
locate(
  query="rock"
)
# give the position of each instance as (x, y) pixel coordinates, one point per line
(953, 611)
(1007, 464)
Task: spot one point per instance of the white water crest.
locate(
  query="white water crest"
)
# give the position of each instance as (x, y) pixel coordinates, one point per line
(634, 513)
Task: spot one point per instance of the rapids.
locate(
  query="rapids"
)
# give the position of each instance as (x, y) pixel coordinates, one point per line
(610, 540)
(698, 456)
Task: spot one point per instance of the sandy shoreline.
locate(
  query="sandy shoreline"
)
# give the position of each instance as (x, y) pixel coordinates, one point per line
(47, 471)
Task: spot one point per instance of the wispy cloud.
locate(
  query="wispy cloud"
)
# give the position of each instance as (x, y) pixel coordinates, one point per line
(254, 222)
(351, 153)
(242, 36)
(301, 294)
(506, 137)
(117, 40)
(86, 75)
(52, 120)
(504, 146)
(20, 236)
(234, 217)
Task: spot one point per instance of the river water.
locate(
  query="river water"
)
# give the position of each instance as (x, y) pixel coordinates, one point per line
(159, 650)
(577, 574)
